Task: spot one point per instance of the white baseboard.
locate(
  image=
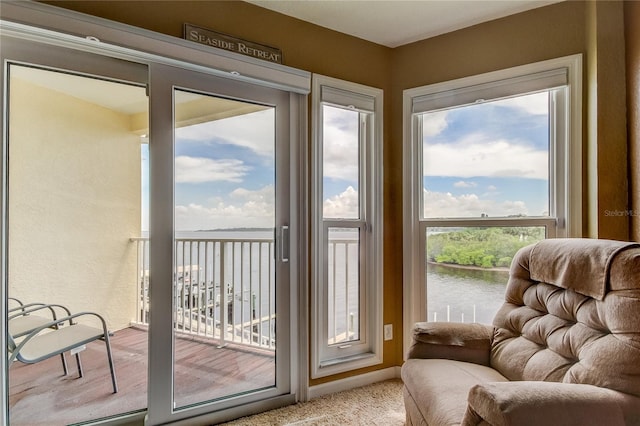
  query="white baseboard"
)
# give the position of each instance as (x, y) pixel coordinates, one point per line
(353, 382)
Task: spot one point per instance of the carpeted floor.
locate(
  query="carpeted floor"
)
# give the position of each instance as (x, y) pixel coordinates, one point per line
(377, 404)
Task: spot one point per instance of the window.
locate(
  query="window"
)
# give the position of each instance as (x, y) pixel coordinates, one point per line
(492, 164)
(346, 299)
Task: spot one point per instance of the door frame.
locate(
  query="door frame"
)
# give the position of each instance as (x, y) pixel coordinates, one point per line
(26, 20)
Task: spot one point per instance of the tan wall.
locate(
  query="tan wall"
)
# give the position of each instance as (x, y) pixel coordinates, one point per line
(607, 189)
(304, 45)
(632, 36)
(544, 33)
(74, 202)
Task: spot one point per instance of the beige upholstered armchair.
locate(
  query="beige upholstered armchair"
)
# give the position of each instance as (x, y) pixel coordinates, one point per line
(564, 348)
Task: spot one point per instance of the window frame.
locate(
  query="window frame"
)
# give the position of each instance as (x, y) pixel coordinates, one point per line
(565, 158)
(367, 350)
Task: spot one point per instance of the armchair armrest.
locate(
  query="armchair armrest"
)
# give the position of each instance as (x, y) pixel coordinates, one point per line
(529, 403)
(456, 341)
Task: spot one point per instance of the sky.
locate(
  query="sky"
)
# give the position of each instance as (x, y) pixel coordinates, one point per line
(489, 158)
(225, 174)
(340, 160)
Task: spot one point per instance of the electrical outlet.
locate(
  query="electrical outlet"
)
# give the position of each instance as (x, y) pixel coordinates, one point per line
(388, 331)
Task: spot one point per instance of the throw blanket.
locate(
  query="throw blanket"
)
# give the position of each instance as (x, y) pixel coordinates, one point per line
(579, 264)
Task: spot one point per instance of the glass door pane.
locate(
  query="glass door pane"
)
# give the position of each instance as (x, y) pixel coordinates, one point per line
(224, 271)
(75, 244)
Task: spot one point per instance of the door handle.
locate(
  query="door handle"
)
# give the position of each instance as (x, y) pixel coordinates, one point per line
(284, 243)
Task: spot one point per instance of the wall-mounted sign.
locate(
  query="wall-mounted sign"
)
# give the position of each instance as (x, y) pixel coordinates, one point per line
(223, 41)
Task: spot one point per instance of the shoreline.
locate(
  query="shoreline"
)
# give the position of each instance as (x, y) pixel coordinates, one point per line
(468, 267)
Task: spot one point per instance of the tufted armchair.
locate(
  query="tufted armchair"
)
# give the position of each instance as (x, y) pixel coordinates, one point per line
(564, 348)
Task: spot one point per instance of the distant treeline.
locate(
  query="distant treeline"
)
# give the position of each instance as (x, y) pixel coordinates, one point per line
(488, 247)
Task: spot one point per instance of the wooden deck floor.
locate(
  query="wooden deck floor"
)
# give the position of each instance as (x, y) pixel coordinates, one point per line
(40, 394)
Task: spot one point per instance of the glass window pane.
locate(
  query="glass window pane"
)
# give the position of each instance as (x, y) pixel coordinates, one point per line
(340, 163)
(468, 269)
(343, 285)
(489, 159)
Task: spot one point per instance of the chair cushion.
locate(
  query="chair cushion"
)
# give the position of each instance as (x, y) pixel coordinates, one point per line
(438, 388)
(544, 332)
(541, 403)
(579, 264)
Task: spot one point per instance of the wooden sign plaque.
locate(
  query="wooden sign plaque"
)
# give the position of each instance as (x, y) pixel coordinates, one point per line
(223, 41)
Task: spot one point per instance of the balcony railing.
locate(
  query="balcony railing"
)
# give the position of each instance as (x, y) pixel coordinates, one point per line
(223, 289)
(241, 310)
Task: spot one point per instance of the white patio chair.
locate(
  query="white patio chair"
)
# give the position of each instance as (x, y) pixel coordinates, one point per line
(25, 318)
(56, 337)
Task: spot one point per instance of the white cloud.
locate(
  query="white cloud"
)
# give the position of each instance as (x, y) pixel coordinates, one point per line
(255, 131)
(340, 135)
(515, 207)
(465, 184)
(343, 205)
(441, 204)
(433, 123)
(253, 209)
(537, 103)
(492, 188)
(478, 155)
(265, 194)
(200, 169)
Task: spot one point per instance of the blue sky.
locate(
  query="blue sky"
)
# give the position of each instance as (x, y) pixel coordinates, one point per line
(340, 162)
(489, 158)
(224, 173)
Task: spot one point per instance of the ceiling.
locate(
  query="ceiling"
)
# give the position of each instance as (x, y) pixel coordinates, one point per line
(393, 23)
(131, 100)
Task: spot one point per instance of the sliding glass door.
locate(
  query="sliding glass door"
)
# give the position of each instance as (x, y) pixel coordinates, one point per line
(73, 196)
(220, 213)
(229, 209)
(156, 198)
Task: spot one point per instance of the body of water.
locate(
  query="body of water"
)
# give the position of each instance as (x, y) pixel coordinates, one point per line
(453, 294)
(464, 295)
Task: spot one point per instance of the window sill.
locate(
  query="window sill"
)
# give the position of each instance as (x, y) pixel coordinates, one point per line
(340, 365)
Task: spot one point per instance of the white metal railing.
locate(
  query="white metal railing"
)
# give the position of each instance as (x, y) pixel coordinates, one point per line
(241, 310)
(343, 276)
(449, 316)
